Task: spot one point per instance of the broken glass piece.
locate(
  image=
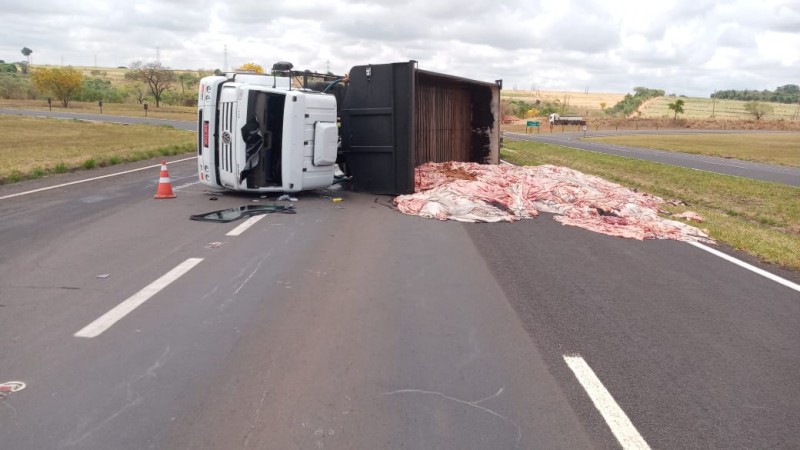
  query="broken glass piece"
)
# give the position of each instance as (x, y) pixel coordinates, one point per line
(231, 214)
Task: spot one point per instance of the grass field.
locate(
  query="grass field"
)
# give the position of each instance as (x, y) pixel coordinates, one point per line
(702, 108)
(577, 101)
(757, 217)
(773, 148)
(35, 147)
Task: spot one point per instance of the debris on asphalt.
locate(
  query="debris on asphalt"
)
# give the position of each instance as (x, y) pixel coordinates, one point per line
(103, 275)
(471, 192)
(212, 198)
(236, 213)
(214, 245)
(337, 199)
(287, 198)
(9, 387)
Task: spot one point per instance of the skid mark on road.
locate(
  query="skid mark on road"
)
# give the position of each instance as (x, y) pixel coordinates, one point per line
(473, 404)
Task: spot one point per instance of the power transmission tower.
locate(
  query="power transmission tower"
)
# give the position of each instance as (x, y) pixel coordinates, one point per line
(158, 54)
(225, 66)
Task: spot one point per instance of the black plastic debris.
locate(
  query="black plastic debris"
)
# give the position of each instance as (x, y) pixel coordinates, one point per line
(231, 214)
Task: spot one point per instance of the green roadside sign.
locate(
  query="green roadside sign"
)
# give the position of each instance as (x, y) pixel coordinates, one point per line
(531, 123)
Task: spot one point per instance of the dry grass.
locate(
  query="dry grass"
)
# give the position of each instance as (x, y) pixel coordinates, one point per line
(774, 148)
(757, 217)
(702, 108)
(35, 147)
(184, 113)
(580, 102)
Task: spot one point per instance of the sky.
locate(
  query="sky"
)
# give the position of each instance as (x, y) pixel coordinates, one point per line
(686, 47)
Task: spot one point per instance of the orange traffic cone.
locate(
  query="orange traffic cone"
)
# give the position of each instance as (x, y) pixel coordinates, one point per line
(164, 185)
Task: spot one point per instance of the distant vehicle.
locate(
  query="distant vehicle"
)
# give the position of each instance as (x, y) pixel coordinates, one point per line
(556, 119)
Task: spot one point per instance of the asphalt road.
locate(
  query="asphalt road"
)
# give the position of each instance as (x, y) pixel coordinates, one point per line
(350, 325)
(756, 171)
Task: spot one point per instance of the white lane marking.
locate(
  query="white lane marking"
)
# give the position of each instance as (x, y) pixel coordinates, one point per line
(90, 179)
(178, 188)
(244, 226)
(615, 417)
(747, 266)
(123, 309)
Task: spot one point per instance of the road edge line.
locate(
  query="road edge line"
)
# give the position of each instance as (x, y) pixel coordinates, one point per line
(747, 266)
(19, 194)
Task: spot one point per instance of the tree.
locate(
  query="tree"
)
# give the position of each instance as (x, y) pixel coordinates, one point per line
(60, 82)
(156, 76)
(250, 67)
(758, 109)
(676, 106)
(602, 106)
(27, 52)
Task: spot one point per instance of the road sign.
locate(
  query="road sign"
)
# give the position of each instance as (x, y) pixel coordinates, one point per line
(584, 128)
(531, 123)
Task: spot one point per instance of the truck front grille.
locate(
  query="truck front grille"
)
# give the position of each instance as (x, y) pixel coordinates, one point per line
(226, 141)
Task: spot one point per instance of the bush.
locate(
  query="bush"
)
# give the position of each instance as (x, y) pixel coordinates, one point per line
(16, 86)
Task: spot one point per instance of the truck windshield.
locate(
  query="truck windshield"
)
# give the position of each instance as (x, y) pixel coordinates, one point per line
(263, 135)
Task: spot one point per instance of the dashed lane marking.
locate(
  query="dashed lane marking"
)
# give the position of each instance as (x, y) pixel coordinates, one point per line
(615, 417)
(108, 319)
(244, 226)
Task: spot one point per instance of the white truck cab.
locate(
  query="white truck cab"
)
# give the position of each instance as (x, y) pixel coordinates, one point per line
(256, 133)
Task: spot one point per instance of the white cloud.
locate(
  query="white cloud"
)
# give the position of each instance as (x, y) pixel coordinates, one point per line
(685, 46)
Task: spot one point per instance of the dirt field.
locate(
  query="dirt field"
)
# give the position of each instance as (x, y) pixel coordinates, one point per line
(578, 101)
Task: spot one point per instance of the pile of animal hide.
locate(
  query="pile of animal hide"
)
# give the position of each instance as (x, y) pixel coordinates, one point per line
(471, 192)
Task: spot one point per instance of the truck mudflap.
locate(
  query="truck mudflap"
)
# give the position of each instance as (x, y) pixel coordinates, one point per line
(396, 117)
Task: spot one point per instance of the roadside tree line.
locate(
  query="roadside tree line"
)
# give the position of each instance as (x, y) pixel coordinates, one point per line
(142, 82)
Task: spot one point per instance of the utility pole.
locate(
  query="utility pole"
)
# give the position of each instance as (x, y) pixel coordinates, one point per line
(225, 65)
(158, 54)
(713, 103)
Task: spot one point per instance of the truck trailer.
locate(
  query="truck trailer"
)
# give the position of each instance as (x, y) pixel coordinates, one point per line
(287, 131)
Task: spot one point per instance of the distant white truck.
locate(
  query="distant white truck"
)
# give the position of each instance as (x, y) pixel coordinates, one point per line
(556, 119)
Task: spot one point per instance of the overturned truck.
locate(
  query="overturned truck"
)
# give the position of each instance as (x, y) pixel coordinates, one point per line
(280, 133)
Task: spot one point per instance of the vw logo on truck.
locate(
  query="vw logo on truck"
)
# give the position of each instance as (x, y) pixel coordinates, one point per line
(226, 137)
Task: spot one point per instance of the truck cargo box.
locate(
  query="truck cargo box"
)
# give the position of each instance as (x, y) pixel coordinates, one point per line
(396, 117)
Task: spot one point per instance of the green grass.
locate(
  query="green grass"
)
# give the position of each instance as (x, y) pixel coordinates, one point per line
(67, 145)
(757, 217)
(774, 148)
